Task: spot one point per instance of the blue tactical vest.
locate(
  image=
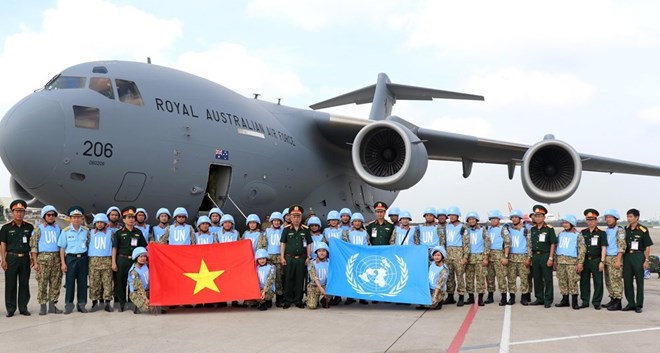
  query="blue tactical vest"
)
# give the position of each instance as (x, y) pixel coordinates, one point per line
(477, 245)
(322, 271)
(316, 239)
(112, 229)
(179, 235)
(145, 231)
(144, 277)
(434, 273)
(345, 227)
(262, 273)
(496, 240)
(274, 236)
(215, 229)
(454, 236)
(358, 237)
(100, 243)
(227, 237)
(518, 241)
(401, 234)
(428, 236)
(254, 238)
(203, 238)
(612, 247)
(48, 238)
(158, 232)
(332, 233)
(567, 243)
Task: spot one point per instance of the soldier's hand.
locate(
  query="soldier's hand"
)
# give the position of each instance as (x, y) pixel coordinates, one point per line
(601, 267)
(528, 263)
(505, 262)
(114, 267)
(322, 291)
(307, 261)
(485, 262)
(580, 267)
(549, 263)
(617, 264)
(464, 261)
(283, 260)
(36, 266)
(63, 267)
(4, 265)
(646, 265)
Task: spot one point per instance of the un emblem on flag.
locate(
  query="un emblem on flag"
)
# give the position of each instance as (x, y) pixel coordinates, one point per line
(376, 275)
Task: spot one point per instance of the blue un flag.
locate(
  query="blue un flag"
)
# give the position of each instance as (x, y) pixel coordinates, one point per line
(386, 273)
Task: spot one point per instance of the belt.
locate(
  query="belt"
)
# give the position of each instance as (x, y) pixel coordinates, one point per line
(634, 251)
(126, 256)
(294, 256)
(17, 254)
(77, 255)
(538, 252)
(593, 257)
(49, 252)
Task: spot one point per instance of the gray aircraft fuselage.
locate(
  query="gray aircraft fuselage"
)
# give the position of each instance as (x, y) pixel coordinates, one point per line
(75, 146)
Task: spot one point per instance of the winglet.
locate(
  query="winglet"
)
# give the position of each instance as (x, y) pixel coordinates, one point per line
(386, 92)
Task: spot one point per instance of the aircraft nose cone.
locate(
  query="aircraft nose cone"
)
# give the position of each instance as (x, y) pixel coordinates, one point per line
(31, 137)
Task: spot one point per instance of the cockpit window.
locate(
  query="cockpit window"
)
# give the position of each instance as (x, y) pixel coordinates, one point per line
(65, 82)
(102, 85)
(128, 92)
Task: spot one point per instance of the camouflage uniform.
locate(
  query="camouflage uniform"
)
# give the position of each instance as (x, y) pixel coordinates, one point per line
(613, 276)
(654, 264)
(567, 274)
(442, 278)
(267, 291)
(475, 267)
(313, 293)
(274, 260)
(495, 267)
(455, 255)
(50, 271)
(517, 268)
(139, 296)
(100, 278)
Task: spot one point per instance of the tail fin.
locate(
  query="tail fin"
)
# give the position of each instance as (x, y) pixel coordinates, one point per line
(385, 93)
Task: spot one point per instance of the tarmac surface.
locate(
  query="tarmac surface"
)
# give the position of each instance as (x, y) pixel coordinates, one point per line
(379, 327)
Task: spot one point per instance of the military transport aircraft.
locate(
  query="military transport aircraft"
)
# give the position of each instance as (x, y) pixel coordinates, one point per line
(118, 133)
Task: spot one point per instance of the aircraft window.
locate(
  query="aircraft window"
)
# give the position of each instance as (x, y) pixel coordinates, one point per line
(86, 117)
(128, 92)
(100, 70)
(65, 82)
(102, 85)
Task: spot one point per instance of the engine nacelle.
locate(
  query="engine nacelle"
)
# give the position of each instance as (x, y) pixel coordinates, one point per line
(19, 192)
(551, 171)
(389, 156)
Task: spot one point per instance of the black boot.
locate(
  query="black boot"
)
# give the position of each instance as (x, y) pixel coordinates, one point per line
(563, 302)
(81, 308)
(503, 300)
(512, 299)
(616, 305)
(490, 298)
(470, 299)
(278, 300)
(480, 300)
(607, 305)
(52, 309)
(524, 299)
(263, 306)
(108, 307)
(574, 302)
(68, 309)
(42, 309)
(450, 299)
(460, 302)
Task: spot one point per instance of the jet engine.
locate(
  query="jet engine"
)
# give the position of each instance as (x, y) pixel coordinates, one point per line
(551, 171)
(18, 192)
(389, 156)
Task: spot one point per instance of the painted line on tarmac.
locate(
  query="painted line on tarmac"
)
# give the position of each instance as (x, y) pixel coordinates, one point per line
(481, 346)
(583, 336)
(456, 343)
(506, 330)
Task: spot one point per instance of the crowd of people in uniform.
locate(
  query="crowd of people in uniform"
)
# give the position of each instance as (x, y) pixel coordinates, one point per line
(292, 257)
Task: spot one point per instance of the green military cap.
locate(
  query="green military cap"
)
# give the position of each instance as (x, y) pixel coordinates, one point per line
(380, 205)
(76, 211)
(128, 211)
(296, 209)
(539, 209)
(18, 205)
(591, 213)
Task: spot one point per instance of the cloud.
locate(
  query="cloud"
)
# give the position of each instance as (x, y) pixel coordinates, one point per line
(514, 86)
(650, 115)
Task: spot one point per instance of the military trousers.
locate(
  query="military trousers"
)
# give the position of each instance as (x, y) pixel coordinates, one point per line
(496, 270)
(18, 270)
(633, 266)
(590, 272)
(475, 270)
(100, 278)
(568, 278)
(613, 278)
(313, 296)
(294, 279)
(456, 280)
(274, 259)
(77, 269)
(121, 278)
(49, 277)
(517, 269)
(543, 288)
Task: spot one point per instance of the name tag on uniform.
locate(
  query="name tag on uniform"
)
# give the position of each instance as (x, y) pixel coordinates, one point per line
(134, 242)
(24, 239)
(634, 245)
(374, 233)
(304, 243)
(542, 237)
(594, 241)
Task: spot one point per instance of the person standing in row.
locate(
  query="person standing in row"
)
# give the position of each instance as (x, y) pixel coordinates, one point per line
(570, 259)
(458, 251)
(253, 233)
(544, 243)
(500, 244)
(73, 243)
(163, 216)
(141, 218)
(404, 233)
(616, 247)
(635, 261)
(16, 261)
(270, 241)
(124, 241)
(594, 262)
(295, 253)
(100, 264)
(478, 259)
(380, 229)
(520, 258)
(46, 259)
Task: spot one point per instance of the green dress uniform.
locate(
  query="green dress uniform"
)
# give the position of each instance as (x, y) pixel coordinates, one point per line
(594, 240)
(125, 241)
(379, 233)
(17, 242)
(296, 241)
(542, 240)
(637, 240)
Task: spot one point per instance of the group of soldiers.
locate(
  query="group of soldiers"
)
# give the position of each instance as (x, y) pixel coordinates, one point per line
(292, 256)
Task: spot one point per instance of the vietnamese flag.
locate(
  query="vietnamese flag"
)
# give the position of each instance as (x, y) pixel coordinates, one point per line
(197, 274)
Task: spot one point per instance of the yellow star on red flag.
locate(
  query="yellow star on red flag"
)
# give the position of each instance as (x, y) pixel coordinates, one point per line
(204, 278)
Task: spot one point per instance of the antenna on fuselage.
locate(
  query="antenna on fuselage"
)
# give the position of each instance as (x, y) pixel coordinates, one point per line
(279, 100)
(256, 95)
(148, 60)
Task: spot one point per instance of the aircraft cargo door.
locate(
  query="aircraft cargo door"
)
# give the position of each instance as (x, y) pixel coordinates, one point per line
(217, 187)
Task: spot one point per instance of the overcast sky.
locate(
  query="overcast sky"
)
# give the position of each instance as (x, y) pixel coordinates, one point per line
(586, 71)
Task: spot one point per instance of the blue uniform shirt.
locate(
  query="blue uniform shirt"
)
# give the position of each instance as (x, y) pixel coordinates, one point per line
(74, 241)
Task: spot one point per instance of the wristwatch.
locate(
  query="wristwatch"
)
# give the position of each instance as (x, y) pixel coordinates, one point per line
(550, 258)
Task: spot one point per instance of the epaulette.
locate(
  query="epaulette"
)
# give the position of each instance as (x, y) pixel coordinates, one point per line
(66, 229)
(642, 228)
(370, 222)
(304, 226)
(390, 222)
(85, 228)
(287, 226)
